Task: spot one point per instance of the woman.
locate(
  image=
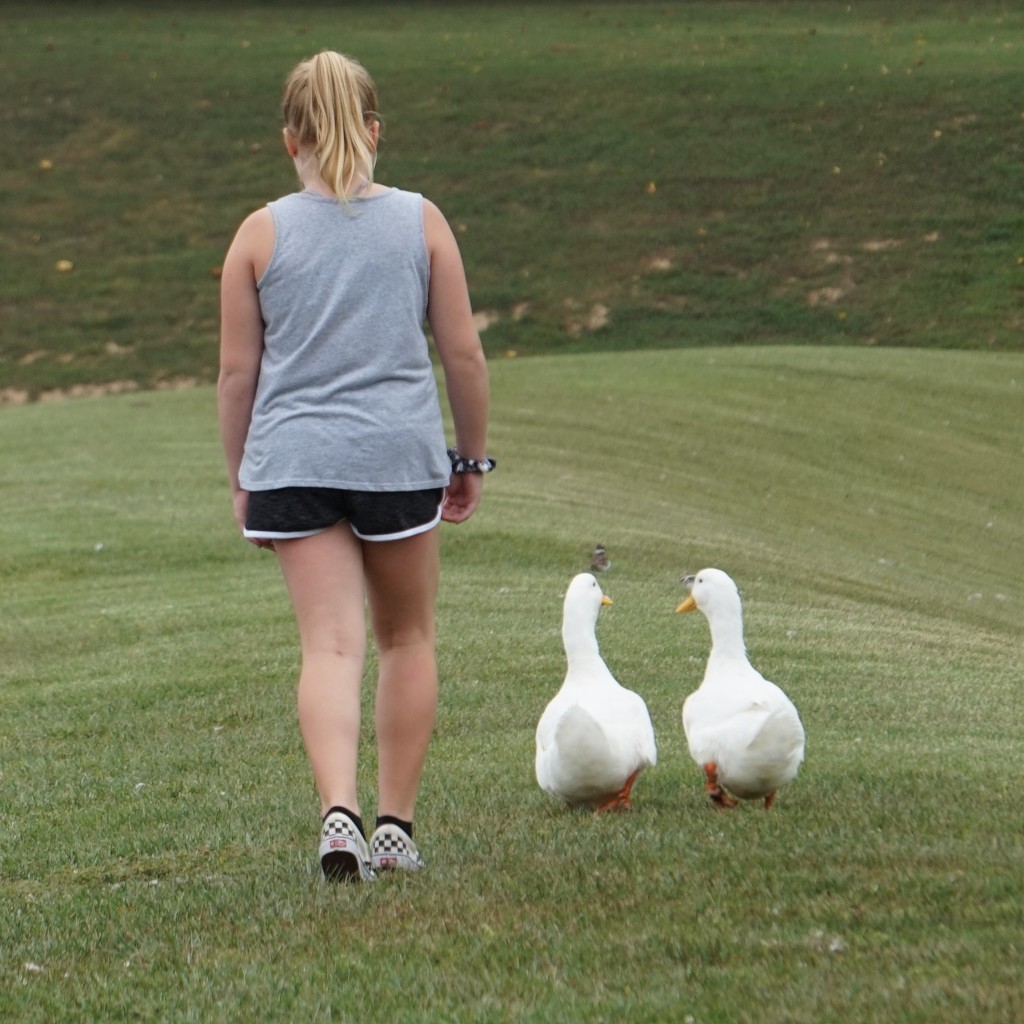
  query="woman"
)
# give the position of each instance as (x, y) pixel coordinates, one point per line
(334, 444)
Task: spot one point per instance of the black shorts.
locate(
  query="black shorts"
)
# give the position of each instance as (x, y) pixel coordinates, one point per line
(288, 513)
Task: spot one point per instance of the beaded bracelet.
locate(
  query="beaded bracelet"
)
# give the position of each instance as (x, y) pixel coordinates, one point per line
(461, 465)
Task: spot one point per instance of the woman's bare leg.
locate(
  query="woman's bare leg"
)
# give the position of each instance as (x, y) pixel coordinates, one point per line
(402, 580)
(324, 576)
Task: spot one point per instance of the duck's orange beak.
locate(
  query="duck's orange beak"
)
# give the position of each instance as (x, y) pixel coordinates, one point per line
(688, 605)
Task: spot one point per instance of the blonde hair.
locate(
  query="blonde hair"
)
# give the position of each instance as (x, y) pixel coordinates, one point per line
(330, 105)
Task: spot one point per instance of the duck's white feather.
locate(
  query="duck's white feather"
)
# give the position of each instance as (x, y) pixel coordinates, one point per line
(738, 720)
(594, 734)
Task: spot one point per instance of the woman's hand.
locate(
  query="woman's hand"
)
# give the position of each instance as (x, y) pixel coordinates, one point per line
(462, 497)
(240, 501)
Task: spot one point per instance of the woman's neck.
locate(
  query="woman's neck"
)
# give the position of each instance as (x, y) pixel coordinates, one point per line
(360, 186)
(357, 189)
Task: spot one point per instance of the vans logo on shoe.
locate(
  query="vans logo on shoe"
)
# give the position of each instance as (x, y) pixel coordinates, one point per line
(339, 844)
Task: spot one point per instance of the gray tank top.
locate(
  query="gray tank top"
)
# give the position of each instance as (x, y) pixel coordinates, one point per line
(347, 395)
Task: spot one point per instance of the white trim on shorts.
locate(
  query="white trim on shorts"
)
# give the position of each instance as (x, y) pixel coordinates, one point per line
(277, 535)
(401, 535)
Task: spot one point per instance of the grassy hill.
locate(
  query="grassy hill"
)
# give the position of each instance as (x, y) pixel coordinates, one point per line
(621, 175)
(157, 810)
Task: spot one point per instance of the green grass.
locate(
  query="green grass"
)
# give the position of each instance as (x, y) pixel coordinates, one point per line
(158, 816)
(692, 173)
(762, 189)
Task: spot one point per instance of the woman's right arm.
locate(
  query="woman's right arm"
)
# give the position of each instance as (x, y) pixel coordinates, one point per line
(241, 342)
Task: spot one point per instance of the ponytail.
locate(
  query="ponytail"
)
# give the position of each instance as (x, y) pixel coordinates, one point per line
(330, 105)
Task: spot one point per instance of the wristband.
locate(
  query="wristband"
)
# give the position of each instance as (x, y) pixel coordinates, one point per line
(461, 465)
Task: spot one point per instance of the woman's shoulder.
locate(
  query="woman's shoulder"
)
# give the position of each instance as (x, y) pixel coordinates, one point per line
(396, 195)
(283, 202)
(435, 224)
(257, 223)
(254, 240)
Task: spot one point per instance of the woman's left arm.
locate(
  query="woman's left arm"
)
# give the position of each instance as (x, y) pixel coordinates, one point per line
(462, 357)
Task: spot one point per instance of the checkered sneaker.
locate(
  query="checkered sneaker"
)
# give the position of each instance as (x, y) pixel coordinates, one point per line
(393, 850)
(344, 855)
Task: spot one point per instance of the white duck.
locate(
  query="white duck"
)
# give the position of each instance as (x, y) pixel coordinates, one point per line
(595, 736)
(741, 729)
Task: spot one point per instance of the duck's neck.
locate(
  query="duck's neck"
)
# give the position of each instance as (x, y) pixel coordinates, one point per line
(580, 641)
(727, 635)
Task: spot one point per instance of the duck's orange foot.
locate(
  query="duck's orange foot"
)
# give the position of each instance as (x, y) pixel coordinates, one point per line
(769, 800)
(620, 802)
(721, 800)
(718, 796)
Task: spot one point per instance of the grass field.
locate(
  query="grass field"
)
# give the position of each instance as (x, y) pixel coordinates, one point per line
(158, 818)
(621, 175)
(766, 261)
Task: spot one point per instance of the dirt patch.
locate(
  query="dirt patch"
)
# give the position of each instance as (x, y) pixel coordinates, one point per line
(824, 296)
(21, 396)
(882, 245)
(484, 318)
(592, 319)
(830, 295)
(114, 387)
